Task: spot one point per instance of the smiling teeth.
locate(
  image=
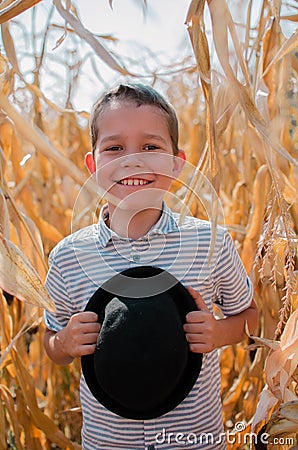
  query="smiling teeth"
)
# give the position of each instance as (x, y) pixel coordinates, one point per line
(133, 182)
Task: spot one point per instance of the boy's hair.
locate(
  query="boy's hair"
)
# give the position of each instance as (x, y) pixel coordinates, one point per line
(139, 94)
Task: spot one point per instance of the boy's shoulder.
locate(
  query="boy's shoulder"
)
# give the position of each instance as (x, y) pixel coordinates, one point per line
(203, 226)
(82, 237)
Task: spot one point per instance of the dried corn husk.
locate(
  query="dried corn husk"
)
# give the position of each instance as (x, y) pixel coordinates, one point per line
(279, 368)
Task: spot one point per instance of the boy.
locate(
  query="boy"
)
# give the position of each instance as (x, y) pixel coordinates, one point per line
(135, 157)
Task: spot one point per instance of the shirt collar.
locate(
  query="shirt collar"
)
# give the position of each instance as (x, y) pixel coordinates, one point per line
(166, 224)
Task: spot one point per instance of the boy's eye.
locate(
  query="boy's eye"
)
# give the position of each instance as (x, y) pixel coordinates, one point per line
(151, 147)
(113, 148)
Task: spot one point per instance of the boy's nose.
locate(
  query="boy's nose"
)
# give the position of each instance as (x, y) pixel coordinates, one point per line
(132, 160)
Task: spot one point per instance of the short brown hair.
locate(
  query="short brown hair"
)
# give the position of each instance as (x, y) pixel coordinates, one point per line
(139, 94)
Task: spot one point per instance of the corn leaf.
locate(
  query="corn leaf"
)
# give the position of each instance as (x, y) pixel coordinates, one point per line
(19, 278)
(15, 8)
(89, 38)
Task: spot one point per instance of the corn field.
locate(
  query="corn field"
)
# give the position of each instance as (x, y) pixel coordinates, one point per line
(236, 96)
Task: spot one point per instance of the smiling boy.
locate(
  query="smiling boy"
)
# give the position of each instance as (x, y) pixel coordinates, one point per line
(134, 159)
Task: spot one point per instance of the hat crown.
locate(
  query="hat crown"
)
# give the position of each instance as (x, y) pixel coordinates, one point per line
(141, 350)
(142, 367)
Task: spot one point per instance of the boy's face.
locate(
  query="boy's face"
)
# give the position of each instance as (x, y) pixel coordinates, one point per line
(134, 157)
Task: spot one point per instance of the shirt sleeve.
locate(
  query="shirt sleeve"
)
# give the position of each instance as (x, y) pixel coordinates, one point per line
(57, 289)
(232, 285)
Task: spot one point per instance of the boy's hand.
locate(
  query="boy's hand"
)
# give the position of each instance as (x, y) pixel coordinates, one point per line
(79, 337)
(201, 327)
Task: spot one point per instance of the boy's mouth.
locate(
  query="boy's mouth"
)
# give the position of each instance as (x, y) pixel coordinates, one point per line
(134, 182)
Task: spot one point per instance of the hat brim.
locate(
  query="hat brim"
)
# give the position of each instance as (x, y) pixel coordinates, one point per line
(184, 303)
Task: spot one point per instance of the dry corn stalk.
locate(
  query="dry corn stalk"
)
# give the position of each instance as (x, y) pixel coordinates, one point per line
(34, 135)
(26, 390)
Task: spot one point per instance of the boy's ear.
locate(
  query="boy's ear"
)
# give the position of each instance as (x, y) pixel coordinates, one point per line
(90, 163)
(179, 162)
(181, 154)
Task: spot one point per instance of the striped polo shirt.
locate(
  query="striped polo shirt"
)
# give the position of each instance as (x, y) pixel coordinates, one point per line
(83, 261)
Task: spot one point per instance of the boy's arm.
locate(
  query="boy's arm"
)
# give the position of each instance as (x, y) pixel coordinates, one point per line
(78, 338)
(205, 333)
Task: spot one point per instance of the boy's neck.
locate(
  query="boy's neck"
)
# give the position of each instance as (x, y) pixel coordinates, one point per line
(130, 224)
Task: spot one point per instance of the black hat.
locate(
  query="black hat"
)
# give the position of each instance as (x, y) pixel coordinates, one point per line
(142, 367)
